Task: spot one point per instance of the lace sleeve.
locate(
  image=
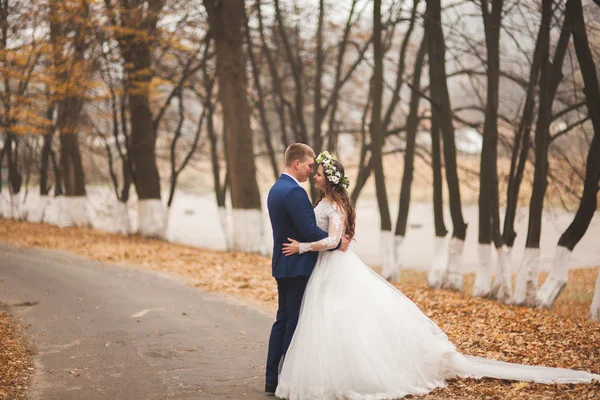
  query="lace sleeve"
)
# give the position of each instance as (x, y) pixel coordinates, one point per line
(336, 229)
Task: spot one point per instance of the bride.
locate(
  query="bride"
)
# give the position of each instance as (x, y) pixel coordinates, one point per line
(358, 337)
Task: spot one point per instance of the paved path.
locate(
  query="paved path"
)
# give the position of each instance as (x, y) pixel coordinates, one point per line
(105, 332)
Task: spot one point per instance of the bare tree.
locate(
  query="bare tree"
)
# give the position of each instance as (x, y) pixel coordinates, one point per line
(117, 137)
(377, 140)
(489, 215)
(227, 22)
(521, 148)
(439, 259)
(326, 98)
(46, 162)
(558, 277)
(134, 26)
(220, 189)
(260, 101)
(550, 78)
(20, 54)
(412, 125)
(452, 277)
(15, 178)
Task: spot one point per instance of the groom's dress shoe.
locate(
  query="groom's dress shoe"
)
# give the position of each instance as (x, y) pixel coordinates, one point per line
(270, 389)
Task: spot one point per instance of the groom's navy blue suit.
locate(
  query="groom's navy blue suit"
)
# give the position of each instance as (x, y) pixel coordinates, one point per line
(292, 216)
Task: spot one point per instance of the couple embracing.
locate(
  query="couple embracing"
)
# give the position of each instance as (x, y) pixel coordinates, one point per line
(342, 331)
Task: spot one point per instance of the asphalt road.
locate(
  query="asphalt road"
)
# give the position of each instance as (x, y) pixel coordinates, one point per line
(108, 332)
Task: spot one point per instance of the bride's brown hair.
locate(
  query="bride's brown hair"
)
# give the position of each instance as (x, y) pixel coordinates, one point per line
(340, 197)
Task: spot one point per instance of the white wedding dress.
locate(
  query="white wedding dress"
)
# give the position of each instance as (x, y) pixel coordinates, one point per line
(358, 337)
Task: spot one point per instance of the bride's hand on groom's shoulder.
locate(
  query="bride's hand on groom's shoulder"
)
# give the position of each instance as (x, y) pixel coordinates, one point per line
(289, 249)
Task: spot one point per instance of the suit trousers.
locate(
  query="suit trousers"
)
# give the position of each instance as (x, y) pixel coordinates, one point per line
(290, 292)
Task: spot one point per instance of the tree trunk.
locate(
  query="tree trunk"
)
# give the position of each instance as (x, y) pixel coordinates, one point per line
(135, 27)
(522, 136)
(436, 274)
(122, 220)
(143, 141)
(226, 24)
(219, 190)
(595, 308)
(73, 204)
(438, 182)
(412, 125)
(45, 165)
(557, 279)
(588, 204)
(527, 277)
(2, 199)
(58, 186)
(488, 176)
(45, 201)
(15, 178)
(377, 141)
(46, 150)
(521, 149)
(366, 168)
(441, 99)
(71, 73)
(364, 165)
(122, 213)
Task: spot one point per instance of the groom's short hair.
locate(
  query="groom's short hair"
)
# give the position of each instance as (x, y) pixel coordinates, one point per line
(298, 151)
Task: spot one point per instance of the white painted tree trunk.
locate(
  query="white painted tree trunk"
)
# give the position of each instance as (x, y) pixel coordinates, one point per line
(62, 218)
(502, 287)
(387, 254)
(398, 257)
(527, 278)
(595, 309)
(167, 217)
(77, 211)
(453, 278)
(483, 279)
(51, 210)
(248, 231)
(37, 215)
(122, 219)
(508, 252)
(225, 226)
(557, 280)
(435, 277)
(14, 206)
(393, 274)
(151, 218)
(71, 211)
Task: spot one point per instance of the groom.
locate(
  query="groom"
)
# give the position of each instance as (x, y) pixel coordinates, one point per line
(292, 216)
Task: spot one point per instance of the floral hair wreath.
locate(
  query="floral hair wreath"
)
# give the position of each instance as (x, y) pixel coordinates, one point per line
(331, 172)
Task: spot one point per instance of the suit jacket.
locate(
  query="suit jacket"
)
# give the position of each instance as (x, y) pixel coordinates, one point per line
(292, 216)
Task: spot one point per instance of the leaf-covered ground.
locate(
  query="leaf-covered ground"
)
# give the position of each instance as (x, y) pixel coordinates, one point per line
(15, 360)
(561, 337)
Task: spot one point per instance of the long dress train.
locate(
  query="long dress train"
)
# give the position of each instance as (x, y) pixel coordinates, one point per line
(358, 337)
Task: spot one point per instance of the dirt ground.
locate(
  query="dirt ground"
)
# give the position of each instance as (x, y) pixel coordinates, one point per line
(15, 359)
(561, 337)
